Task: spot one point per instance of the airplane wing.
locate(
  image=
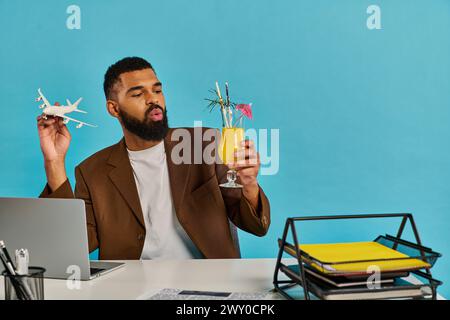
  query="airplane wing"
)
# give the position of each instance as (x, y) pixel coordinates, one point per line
(69, 104)
(47, 104)
(80, 123)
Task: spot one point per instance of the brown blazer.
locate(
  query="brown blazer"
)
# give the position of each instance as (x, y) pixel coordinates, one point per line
(115, 221)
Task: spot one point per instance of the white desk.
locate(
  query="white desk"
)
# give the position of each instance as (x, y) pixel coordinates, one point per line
(141, 279)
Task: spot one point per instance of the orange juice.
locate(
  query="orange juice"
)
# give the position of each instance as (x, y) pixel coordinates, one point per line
(229, 143)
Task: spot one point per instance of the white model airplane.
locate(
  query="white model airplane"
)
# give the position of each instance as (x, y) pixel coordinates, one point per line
(60, 111)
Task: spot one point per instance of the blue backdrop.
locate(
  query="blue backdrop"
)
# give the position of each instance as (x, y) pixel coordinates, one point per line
(363, 114)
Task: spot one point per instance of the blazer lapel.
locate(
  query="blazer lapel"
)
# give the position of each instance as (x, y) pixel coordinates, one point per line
(122, 177)
(178, 173)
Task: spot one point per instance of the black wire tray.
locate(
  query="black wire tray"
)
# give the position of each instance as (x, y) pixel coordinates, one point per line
(425, 288)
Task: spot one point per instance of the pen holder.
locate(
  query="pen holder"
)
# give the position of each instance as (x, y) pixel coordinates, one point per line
(25, 287)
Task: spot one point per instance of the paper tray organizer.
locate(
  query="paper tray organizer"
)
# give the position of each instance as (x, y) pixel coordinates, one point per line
(407, 252)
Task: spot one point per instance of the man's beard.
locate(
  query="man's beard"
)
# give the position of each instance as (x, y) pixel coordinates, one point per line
(147, 129)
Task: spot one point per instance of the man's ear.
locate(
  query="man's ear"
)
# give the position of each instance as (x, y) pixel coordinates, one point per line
(113, 108)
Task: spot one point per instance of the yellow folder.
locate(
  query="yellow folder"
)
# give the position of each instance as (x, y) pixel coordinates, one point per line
(326, 256)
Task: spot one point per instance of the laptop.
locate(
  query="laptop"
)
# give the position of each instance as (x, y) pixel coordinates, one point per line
(55, 233)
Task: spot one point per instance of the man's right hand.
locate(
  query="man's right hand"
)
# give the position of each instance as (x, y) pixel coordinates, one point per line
(54, 138)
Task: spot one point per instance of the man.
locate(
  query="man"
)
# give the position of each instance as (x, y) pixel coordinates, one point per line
(140, 204)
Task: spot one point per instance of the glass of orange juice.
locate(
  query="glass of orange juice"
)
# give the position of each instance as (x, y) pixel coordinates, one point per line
(230, 142)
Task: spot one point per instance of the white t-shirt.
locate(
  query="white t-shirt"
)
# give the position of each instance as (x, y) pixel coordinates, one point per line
(165, 238)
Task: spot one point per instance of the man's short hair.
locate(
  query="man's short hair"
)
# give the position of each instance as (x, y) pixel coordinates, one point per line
(112, 75)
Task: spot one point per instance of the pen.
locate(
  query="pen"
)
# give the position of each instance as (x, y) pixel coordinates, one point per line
(4, 262)
(5, 251)
(7, 263)
(22, 290)
(22, 260)
(9, 270)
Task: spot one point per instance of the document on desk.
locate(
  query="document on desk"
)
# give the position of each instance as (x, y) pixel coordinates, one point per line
(180, 294)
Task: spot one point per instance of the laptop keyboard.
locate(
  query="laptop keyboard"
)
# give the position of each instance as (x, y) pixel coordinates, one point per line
(96, 270)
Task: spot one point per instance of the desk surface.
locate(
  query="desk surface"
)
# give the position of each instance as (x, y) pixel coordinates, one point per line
(140, 279)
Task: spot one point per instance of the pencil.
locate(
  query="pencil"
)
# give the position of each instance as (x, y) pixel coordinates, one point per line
(5, 251)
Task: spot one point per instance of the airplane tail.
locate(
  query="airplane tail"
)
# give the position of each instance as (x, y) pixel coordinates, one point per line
(75, 105)
(39, 97)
